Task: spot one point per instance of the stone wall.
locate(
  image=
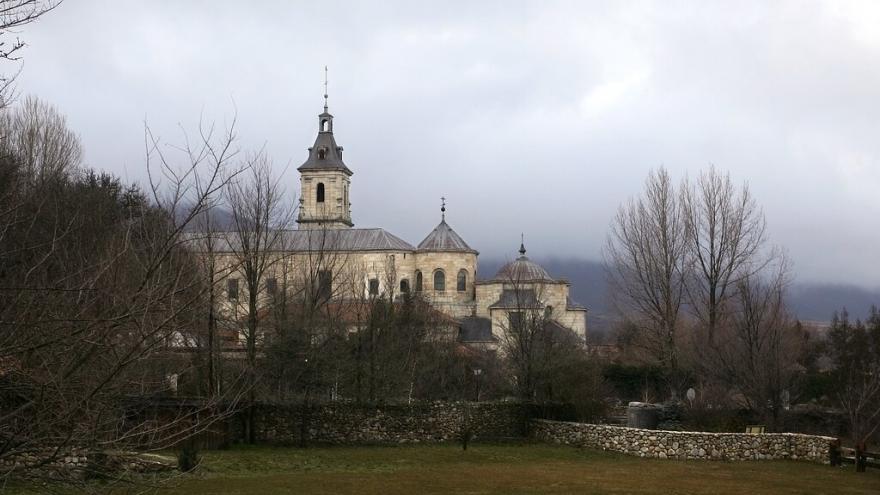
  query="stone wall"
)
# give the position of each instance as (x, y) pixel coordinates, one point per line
(79, 463)
(47, 460)
(686, 445)
(387, 424)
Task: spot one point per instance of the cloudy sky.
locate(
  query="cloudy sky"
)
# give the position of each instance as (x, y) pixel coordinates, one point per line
(536, 117)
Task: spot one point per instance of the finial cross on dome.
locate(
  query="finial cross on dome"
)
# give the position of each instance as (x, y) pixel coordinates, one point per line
(522, 244)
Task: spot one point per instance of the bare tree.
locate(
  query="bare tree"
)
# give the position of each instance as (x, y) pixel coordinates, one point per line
(96, 289)
(215, 152)
(15, 14)
(725, 235)
(647, 262)
(261, 217)
(310, 315)
(758, 351)
(524, 336)
(37, 135)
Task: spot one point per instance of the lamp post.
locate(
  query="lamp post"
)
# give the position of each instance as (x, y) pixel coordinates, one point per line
(477, 373)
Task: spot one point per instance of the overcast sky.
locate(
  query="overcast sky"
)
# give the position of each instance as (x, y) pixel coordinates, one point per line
(537, 117)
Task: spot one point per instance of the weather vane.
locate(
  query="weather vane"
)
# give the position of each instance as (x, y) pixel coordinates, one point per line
(325, 88)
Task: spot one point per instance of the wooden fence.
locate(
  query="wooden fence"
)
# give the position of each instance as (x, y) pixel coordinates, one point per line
(862, 458)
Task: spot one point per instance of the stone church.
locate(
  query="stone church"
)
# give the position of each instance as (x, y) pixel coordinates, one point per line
(442, 268)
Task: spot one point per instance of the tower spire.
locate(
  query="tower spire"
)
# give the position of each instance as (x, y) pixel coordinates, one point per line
(522, 244)
(325, 89)
(443, 208)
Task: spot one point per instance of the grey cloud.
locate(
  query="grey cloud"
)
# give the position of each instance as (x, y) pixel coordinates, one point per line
(535, 117)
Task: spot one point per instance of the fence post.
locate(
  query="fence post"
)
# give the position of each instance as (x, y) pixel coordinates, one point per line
(834, 453)
(861, 458)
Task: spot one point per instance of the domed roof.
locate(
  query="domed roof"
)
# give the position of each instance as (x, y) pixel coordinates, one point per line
(443, 238)
(523, 269)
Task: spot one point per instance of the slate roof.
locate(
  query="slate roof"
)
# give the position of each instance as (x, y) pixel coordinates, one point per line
(332, 158)
(523, 269)
(443, 238)
(512, 298)
(303, 240)
(571, 305)
(475, 329)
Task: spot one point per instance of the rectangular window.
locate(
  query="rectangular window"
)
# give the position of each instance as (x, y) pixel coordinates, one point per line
(232, 289)
(325, 284)
(374, 286)
(272, 286)
(516, 320)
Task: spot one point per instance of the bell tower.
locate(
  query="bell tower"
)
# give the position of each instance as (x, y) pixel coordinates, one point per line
(324, 179)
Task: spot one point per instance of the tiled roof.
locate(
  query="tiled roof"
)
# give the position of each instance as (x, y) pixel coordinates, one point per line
(443, 238)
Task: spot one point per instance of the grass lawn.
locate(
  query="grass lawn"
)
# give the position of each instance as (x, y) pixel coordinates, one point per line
(484, 469)
(507, 468)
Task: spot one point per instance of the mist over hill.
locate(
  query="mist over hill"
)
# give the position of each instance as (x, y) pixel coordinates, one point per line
(810, 301)
(818, 302)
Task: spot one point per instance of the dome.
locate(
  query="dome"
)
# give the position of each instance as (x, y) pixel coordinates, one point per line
(443, 238)
(523, 269)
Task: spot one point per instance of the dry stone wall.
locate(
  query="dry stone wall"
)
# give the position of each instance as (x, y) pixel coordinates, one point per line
(686, 445)
(388, 424)
(47, 460)
(77, 463)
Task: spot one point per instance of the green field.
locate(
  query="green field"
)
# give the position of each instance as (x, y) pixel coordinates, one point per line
(514, 468)
(503, 469)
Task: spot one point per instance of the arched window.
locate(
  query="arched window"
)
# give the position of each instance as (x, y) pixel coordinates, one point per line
(461, 283)
(418, 281)
(322, 153)
(320, 192)
(439, 280)
(325, 125)
(404, 286)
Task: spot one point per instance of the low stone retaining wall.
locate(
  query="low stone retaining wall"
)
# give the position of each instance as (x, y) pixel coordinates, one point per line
(47, 459)
(77, 463)
(686, 445)
(387, 424)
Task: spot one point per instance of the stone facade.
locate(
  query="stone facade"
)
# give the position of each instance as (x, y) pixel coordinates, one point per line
(451, 301)
(686, 445)
(552, 294)
(334, 209)
(351, 424)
